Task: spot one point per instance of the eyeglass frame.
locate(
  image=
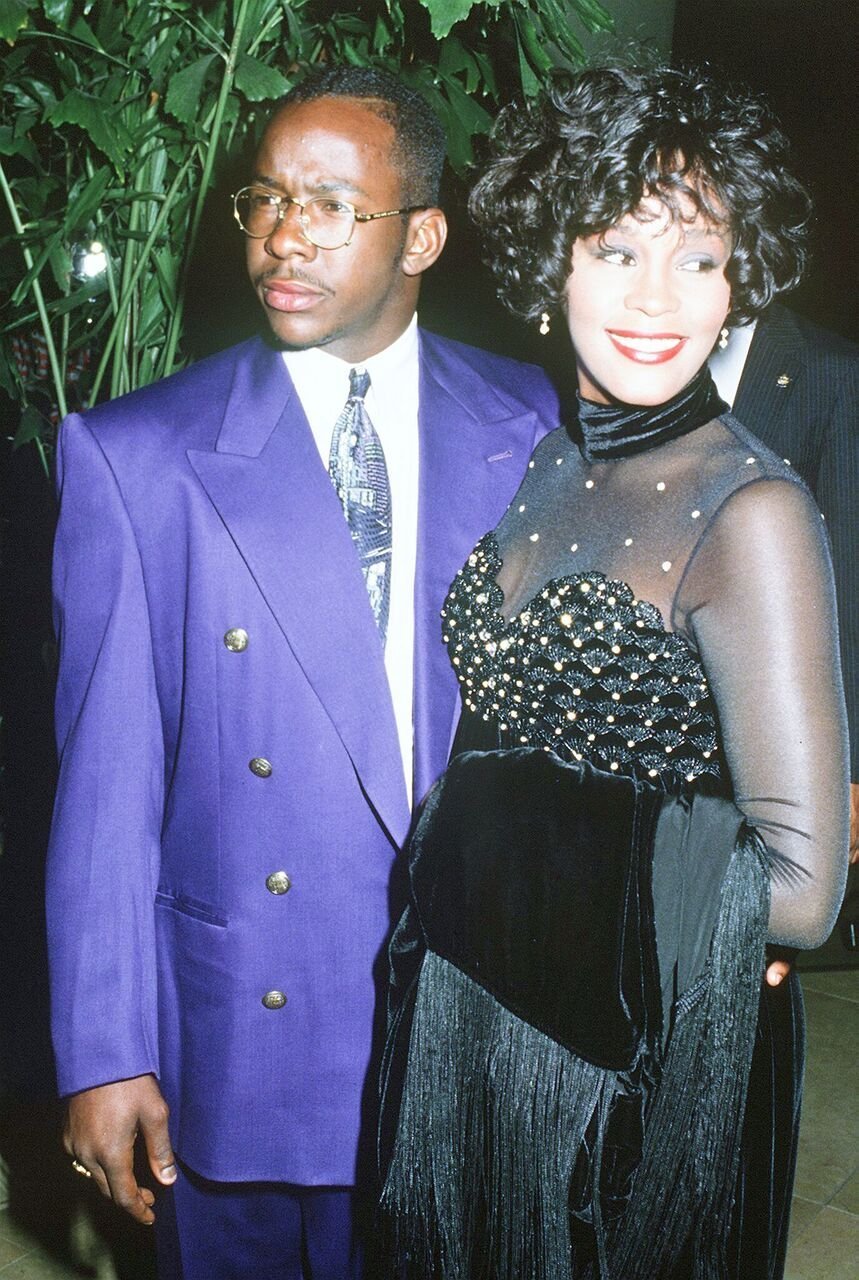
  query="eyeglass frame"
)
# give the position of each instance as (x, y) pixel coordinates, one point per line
(284, 201)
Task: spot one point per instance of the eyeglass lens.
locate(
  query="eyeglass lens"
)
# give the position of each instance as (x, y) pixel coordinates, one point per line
(327, 223)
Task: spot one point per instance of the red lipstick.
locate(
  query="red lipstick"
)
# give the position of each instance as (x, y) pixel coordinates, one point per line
(647, 348)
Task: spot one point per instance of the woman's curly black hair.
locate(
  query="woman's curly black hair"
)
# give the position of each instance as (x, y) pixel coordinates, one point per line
(585, 154)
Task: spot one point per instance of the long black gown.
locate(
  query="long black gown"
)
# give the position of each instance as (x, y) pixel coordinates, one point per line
(663, 608)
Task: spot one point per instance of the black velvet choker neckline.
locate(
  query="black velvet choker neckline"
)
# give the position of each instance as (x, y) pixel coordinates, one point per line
(621, 430)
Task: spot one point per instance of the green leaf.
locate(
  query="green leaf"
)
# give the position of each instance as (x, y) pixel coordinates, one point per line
(12, 146)
(444, 14)
(83, 32)
(30, 90)
(160, 60)
(25, 284)
(533, 58)
(8, 382)
(33, 196)
(24, 122)
(382, 36)
(152, 313)
(87, 294)
(474, 117)
(13, 18)
(109, 27)
(82, 208)
(593, 16)
(556, 26)
(454, 57)
(58, 11)
(166, 269)
(530, 83)
(88, 112)
(183, 95)
(463, 117)
(487, 71)
(146, 368)
(61, 264)
(258, 82)
(31, 427)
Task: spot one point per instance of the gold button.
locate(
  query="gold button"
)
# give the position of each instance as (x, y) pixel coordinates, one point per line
(260, 766)
(278, 882)
(274, 1000)
(236, 639)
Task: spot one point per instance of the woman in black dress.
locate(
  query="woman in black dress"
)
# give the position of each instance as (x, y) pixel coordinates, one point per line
(656, 606)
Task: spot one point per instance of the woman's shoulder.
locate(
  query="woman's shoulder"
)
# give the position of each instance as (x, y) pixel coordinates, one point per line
(755, 495)
(742, 474)
(746, 457)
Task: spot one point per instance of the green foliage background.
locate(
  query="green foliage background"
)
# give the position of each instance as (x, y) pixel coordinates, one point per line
(117, 118)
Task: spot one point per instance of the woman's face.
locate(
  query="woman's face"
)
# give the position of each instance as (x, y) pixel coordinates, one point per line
(645, 302)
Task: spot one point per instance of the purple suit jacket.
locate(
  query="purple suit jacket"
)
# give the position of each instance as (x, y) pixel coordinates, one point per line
(198, 505)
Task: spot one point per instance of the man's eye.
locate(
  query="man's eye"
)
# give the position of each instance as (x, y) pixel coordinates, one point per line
(333, 208)
(262, 200)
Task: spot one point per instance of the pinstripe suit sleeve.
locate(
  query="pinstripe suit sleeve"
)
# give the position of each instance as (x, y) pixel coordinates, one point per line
(837, 492)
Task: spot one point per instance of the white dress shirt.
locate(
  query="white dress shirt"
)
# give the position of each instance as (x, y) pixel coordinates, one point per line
(322, 383)
(727, 365)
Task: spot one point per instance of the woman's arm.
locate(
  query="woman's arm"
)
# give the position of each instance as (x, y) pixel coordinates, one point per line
(759, 601)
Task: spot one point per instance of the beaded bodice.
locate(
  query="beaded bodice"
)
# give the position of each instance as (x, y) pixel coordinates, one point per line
(584, 669)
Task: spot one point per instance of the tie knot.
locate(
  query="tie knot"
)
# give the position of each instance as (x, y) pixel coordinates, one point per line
(359, 382)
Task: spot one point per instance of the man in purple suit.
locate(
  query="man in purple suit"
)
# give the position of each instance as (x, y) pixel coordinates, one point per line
(250, 562)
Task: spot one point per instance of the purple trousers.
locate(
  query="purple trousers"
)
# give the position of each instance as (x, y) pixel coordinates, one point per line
(257, 1231)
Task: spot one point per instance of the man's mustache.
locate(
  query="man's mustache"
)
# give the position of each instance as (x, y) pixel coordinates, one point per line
(287, 277)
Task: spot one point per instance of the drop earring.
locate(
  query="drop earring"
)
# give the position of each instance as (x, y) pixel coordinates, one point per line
(723, 339)
(544, 323)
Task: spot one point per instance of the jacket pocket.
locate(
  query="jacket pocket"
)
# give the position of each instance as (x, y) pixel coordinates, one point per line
(191, 907)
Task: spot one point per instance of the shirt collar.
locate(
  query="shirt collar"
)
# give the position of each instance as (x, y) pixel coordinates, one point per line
(727, 364)
(384, 367)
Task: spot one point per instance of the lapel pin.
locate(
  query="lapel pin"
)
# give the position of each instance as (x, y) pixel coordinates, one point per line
(783, 380)
(499, 457)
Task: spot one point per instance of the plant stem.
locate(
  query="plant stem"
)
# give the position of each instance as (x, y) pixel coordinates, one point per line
(127, 292)
(141, 263)
(205, 180)
(39, 298)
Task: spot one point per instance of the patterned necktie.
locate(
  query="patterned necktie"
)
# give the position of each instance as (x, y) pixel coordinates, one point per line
(357, 468)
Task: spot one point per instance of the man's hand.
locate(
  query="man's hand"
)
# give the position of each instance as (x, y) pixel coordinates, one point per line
(101, 1127)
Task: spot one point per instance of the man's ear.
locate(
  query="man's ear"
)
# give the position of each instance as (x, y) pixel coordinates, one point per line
(425, 240)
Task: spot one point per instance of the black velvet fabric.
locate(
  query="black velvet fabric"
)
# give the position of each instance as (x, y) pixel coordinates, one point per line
(532, 882)
(540, 892)
(622, 430)
(758, 1240)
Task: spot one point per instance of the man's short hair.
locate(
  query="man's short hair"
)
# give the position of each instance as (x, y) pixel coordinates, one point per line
(419, 145)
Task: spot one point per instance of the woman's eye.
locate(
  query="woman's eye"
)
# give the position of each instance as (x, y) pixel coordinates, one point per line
(698, 264)
(617, 257)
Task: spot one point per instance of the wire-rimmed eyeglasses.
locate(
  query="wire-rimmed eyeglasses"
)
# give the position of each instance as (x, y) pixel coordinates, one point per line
(325, 222)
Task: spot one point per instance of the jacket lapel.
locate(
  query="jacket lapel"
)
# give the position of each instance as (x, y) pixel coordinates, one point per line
(270, 488)
(474, 448)
(774, 366)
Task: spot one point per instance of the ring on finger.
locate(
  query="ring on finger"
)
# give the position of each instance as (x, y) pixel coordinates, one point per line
(81, 1169)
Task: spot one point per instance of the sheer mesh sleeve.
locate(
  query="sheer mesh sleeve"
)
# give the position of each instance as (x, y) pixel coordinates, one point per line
(757, 600)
